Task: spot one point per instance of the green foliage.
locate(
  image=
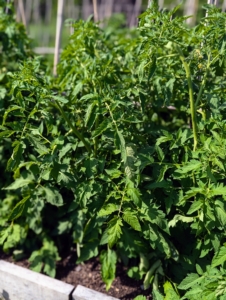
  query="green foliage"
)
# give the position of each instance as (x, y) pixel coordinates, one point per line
(45, 258)
(108, 261)
(123, 154)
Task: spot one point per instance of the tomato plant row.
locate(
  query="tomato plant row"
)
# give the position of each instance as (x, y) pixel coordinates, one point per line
(123, 154)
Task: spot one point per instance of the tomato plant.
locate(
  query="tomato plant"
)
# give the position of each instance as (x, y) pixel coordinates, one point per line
(123, 154)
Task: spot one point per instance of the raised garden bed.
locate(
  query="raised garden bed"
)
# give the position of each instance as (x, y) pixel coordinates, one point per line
(18, 283)
(88, 275)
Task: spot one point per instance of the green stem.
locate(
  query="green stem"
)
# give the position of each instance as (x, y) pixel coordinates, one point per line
(76, 132)
(191, 98)
(203, 83)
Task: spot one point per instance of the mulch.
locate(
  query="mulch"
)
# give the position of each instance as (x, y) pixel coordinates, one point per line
(88, 275)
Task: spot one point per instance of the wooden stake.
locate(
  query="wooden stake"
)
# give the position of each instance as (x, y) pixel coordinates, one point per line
(136, 11)
(224, 6)
(22, 12)
(108, 8)
(95, 12)
(59, 22)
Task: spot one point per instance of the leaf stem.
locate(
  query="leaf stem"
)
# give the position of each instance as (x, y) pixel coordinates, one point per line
(191, 98)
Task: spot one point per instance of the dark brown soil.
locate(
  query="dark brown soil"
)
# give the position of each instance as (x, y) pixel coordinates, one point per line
(88, 275)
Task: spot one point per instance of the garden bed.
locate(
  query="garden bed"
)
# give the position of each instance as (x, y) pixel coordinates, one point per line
(88, 275)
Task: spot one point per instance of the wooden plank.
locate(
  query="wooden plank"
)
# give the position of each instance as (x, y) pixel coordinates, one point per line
(17, 283)
(83, 293)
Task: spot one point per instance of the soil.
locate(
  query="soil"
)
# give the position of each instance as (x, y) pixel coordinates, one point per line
(88, 275)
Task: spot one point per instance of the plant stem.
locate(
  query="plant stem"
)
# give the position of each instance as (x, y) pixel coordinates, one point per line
(76, 132)
(203, 83)
(191, 98)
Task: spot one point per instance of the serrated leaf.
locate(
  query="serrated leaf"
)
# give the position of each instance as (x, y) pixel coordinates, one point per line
(134, 194)
(4, 233)
(108, 261)
(77, 88)
(18, 209)
(191, 280)
(219, 257)
(163, 139)
(18, 183)
(89, 112)
(193, 165)
(6, 133)
(10, 109)
(157, 295)
(38, 144)
(131, 219)
(108, 209)
(53, 196)
(218, 190)
(199, 269)
(15, 158)
(181, 218)
(196, 205)
(66, 178)
(101, 128)
(59, 98)
(114, 230)
(130, 160)
(113, 173)
(122, 146)
(170, 293)
(89, 96)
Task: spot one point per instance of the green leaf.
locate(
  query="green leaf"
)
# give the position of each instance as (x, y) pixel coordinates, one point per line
(18, 209)
(60, 99)
(10, 109)
(6, 133)
(130, 160)
(150, 274)
(163, 139)
(113, 173)
(130, 218)
(53, 196)
(122, 146)
(4, 234)
(108, 261)
(199, 269)
(158, 296)
(89, 250)
(140, 297)
(219, 257)
(114, 230)
(181, 218)
(89, 112)
(193, 165)
(77, 88)
(134, 194)
(108, 209)
(16, 157)
(101, 128)
(220, 212)
(191, 280)
(18, 183)
(196, 205)
(38, 144)
(170, 293)
(89, 96)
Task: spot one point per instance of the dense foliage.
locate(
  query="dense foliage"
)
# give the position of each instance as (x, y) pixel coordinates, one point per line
(123, 154)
